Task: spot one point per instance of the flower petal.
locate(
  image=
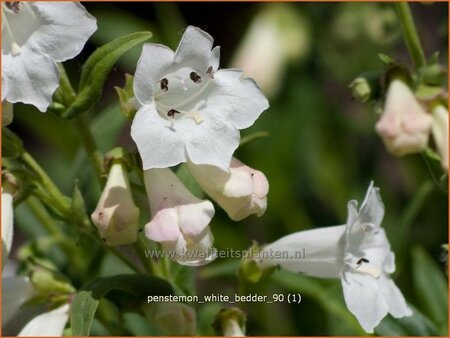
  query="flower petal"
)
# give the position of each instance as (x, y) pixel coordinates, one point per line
(66, 28)
(158, 144)
(364, 299)
(194, 50)
(194, 218)
(322, 249)
(397, 303)
(212, 142)
(154, 62)
(163, 227)
(29, 77)
(15, 292)
(238, 99)
(7, 224)
(49, 324)
(372, 208)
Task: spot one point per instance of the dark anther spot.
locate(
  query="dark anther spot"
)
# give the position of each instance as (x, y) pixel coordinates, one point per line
(195, 77)
(13, 5)
(164, 85)
(210, 72)
(172, 112)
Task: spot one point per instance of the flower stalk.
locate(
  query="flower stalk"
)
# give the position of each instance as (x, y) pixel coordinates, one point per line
(410, 34)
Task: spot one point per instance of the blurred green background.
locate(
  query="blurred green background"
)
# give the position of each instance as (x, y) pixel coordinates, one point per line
(321, 151)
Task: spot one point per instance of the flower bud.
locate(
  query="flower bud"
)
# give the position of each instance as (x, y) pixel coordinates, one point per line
(7, 113)
(440, 133)
(405, 125)
(179, 219)
(366, 86)
(276, 36)
(240, 192)
(230, 322)
(116, 216)
(172, 319)
(128, 103)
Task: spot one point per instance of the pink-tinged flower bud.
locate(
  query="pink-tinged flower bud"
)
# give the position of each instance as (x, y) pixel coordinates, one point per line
(179, 219)
(440, 133)
(405, 126)
(240, 192)
(172, 319)
(116, 216)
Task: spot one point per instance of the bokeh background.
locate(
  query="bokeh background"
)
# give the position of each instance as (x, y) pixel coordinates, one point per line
(321, 151)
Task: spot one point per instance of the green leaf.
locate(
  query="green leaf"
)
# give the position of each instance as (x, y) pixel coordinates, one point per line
(86, 301)
(97, 68)
(416, 325)
(12, 146)
(430, 286)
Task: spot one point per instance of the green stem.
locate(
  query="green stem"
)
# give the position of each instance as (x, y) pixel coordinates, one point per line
(410, 34)
(60, 202)
(88, 142)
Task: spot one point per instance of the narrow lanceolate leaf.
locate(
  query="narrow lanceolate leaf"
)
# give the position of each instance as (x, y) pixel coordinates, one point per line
(97, 68)
(85, 302)
(431, 287)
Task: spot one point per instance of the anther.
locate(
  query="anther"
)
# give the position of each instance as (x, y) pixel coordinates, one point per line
(195, 77)
(172, 112)
(13, 5)
(164, 85)
(210, 72)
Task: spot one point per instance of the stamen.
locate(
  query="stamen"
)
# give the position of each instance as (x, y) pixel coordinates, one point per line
(370, 270)
(13, 5)
(171, 113)
(15, 49)
(210, 72)
(164, 85)
(195, 77)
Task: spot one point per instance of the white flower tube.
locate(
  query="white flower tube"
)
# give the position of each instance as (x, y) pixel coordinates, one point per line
(35, 36)
(116, 215)
(189, 108)
(404, 126)
(241, 192)
(358, 253)
(440, 133)
(179, 219)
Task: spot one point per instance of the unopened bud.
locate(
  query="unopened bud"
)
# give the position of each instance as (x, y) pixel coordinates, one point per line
(366, 87)
(116, 216)
(405, 125)
(172, 319)
(7, 113)
(126, 97)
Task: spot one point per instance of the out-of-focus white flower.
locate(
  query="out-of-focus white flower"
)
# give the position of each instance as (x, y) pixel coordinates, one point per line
(241, 192)
(180, 221)
(47, 324)
(358, 253)
(172, 319)
(7, 113)
(7, 224)
(190, 109)
(440, 133)
(277, 35)
(116, 216)
(404, 126)
(36, 35)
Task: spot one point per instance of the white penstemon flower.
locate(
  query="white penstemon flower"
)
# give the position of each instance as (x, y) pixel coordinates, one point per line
(358, 253)
(180, 221)
(17, 291)
(36, 35)
(189, 108)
